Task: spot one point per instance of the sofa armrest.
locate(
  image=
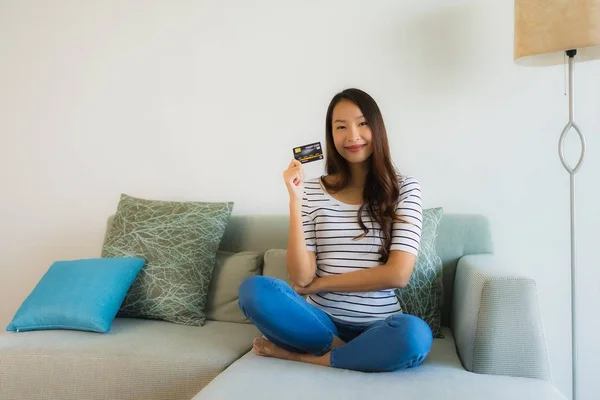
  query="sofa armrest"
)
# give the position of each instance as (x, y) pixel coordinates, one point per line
(496, 321)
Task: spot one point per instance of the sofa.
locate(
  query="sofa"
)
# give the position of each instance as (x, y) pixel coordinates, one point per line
(493, 345)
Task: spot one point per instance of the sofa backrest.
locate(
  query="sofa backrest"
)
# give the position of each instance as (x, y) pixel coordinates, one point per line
(459, 235)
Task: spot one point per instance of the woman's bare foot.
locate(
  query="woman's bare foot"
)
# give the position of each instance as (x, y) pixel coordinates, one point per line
(266, 348)
(337, 342)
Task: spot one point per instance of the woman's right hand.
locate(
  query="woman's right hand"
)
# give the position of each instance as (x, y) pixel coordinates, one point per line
(294, 180)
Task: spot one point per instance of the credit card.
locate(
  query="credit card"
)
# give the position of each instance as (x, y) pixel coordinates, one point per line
(308, 152)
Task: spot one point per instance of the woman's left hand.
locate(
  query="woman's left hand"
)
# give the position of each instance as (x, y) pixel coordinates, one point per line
(312, 288)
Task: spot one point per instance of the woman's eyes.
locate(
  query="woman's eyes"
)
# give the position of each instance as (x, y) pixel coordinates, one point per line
(364, 123)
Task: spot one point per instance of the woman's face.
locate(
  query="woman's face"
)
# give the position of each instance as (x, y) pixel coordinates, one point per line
(351, 132)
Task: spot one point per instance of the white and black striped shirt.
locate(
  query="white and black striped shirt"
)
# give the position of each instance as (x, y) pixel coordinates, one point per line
(330, 228)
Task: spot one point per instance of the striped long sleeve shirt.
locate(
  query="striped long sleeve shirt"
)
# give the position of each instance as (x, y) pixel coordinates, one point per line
(330, 229)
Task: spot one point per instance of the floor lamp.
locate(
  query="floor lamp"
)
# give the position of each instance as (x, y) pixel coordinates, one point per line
(554, 32)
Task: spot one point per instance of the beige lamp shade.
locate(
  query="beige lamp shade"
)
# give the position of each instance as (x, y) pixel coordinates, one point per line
(545, 29)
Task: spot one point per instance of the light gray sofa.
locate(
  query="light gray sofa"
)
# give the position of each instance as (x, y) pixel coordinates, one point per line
(493, 348)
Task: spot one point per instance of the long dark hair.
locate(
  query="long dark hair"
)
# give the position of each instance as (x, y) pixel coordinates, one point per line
(382, 186)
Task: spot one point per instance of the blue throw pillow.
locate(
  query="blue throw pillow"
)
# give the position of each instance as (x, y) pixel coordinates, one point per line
(80, 295)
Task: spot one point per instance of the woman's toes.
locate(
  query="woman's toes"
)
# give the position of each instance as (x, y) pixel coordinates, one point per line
(262, 345)
(259, 346)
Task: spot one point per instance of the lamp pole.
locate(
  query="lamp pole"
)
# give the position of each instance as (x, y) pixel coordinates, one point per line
(572, 171)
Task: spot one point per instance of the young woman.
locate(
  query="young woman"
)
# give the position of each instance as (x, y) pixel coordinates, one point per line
(354, 237)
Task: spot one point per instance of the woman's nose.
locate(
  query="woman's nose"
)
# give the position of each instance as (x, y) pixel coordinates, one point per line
(354, 135)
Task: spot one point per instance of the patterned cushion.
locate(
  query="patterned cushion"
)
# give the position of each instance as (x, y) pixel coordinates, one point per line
(423, 295)
(179, 240)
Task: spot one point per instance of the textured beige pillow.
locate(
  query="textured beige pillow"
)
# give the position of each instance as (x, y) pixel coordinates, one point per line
(230, 271)
(275, 265)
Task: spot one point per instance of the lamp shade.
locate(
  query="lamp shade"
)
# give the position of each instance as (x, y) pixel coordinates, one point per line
(545, 29)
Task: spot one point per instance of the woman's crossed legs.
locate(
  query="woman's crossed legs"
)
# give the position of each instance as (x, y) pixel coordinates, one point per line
(296, 330)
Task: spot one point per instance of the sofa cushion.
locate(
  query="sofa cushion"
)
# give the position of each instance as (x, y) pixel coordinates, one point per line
(441, 376)
(80, 294)
(423, 295)
(230, 271)
(137, 359)
(275, 265)
(179, 240)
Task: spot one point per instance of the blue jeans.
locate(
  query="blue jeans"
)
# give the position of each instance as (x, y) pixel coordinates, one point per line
(289, 321)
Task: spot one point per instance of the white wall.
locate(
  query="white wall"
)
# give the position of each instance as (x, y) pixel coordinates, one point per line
(205, 99)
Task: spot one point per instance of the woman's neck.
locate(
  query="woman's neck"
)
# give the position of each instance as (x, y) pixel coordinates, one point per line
(358, 175)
